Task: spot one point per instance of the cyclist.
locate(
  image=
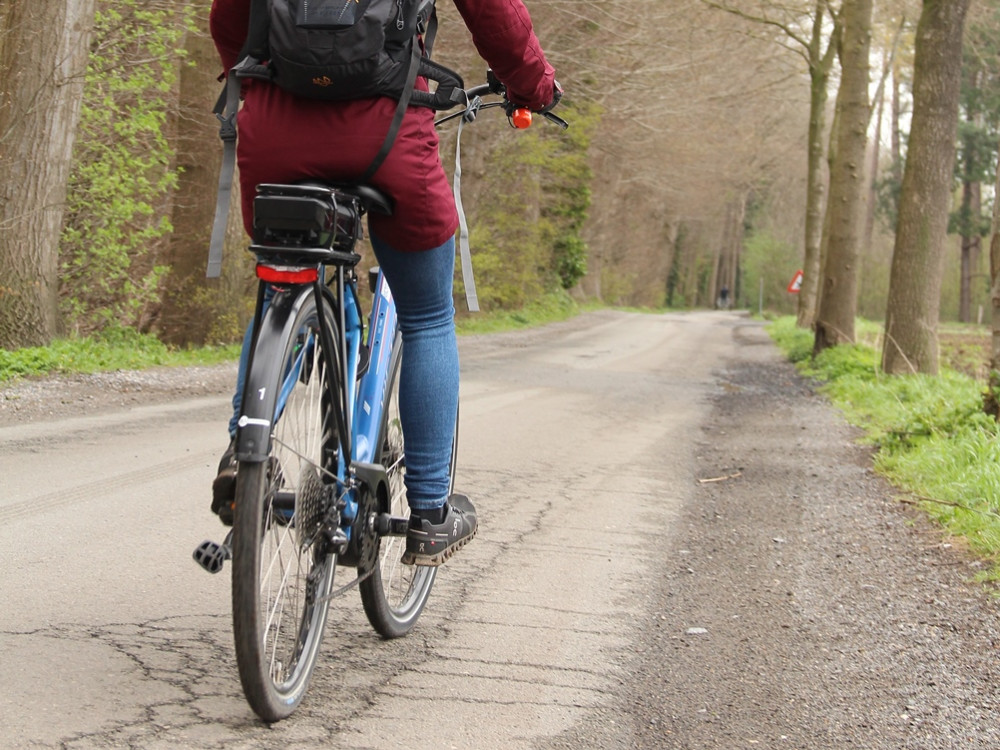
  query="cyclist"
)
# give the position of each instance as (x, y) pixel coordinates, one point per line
(284, 138)
(724, 297)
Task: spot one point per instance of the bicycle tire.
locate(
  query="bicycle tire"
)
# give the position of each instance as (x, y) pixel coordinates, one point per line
(282, 569)
(394, 594)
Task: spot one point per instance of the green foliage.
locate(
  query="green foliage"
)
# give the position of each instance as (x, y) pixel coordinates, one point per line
(115, 348)
(900, 412)
(528, 236)
(848, 360)
(980, 103)
(887, 190)
(548, 308)
(768, 260)
(508, 260)
(567, 191)
(571, 259)
(795, 342)
(932, 437)
(122, 173)
(227, 311)
(951, 461)
(874, 264)
(976, 156)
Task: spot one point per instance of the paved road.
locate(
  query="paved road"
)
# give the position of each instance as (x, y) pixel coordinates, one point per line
(565, 624)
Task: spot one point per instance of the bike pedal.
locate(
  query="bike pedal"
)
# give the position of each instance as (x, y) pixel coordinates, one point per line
(388, 525)
(212, 555)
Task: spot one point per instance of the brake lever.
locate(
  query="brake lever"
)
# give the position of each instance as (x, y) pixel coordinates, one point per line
(556, 119)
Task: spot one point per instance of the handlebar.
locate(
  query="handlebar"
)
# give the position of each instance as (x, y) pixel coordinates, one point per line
(520, 117)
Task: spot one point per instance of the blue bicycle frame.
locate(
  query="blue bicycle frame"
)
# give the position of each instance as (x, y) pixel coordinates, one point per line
(365, 397)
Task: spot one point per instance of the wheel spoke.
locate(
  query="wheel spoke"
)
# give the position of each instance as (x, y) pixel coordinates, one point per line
(395, 594)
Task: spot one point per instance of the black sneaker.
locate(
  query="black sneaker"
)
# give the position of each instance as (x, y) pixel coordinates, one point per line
(224, 486)
(432, 543)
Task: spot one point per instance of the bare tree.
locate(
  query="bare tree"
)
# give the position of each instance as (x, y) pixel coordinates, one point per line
(917, 265)
(838, 296)
(887, 51)
(811, 32)
(42, 60)
(684, 132)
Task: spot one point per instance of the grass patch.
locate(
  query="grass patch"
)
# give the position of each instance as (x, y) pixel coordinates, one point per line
(124, 349)
(932, 437)
(119, 349)
(550, 308)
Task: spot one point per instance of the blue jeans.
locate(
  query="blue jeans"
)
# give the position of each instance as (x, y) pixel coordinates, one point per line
(421, 284)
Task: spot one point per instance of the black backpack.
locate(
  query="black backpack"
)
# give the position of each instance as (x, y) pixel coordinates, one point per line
(348, 49)
(335, 50)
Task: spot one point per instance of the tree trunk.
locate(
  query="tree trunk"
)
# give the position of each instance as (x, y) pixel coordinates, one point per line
(838, 301)
(894, 143)
(991, 404)
(729, 260)
(918, 257)
(970, 214)
(873, 174)
(819, 74)
(971, 245)
(718, 246)
(42, 62)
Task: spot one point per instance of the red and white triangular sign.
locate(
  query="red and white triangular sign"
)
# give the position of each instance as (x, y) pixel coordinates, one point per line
(796, 283)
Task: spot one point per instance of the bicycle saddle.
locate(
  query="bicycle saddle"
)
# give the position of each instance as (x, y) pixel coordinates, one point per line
(371, 198)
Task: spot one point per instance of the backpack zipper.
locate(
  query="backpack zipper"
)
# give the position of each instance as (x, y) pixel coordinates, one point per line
(399, 15)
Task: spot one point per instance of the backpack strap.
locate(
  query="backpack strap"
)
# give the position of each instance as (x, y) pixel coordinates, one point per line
(254, 50)
(255, 45)
(449, 93)
(225, 110)
(428, 27)
(397, 117)
(464, 250)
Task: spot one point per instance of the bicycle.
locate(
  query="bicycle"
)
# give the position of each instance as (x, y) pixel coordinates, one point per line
(319, 446)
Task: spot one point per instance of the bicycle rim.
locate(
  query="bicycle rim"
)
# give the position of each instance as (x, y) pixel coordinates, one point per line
(394, 594)
(281, 568)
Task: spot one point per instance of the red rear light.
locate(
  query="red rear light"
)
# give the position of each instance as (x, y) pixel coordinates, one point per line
(286, 274)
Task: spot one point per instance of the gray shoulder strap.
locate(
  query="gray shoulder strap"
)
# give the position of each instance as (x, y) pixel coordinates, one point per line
(463, 234)
(225, 109)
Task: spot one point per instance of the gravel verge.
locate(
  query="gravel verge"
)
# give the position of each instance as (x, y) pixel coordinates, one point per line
(800, 604)
(40, 399)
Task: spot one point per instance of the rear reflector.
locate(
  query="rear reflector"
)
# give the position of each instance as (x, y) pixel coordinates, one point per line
(286, 274)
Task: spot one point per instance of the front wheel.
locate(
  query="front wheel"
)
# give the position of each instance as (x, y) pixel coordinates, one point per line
(283, 570)
(394, 594)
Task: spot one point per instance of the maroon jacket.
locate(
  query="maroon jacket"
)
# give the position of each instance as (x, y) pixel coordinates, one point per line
(283, 138)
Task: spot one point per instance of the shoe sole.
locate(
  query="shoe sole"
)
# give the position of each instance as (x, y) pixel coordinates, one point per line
(223, 498)
(433, 561)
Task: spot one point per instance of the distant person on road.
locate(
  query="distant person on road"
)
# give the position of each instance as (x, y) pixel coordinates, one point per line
(724, 298)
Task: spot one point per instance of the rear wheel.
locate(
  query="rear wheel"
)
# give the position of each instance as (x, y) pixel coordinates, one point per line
(394, 594)
(282, 567)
